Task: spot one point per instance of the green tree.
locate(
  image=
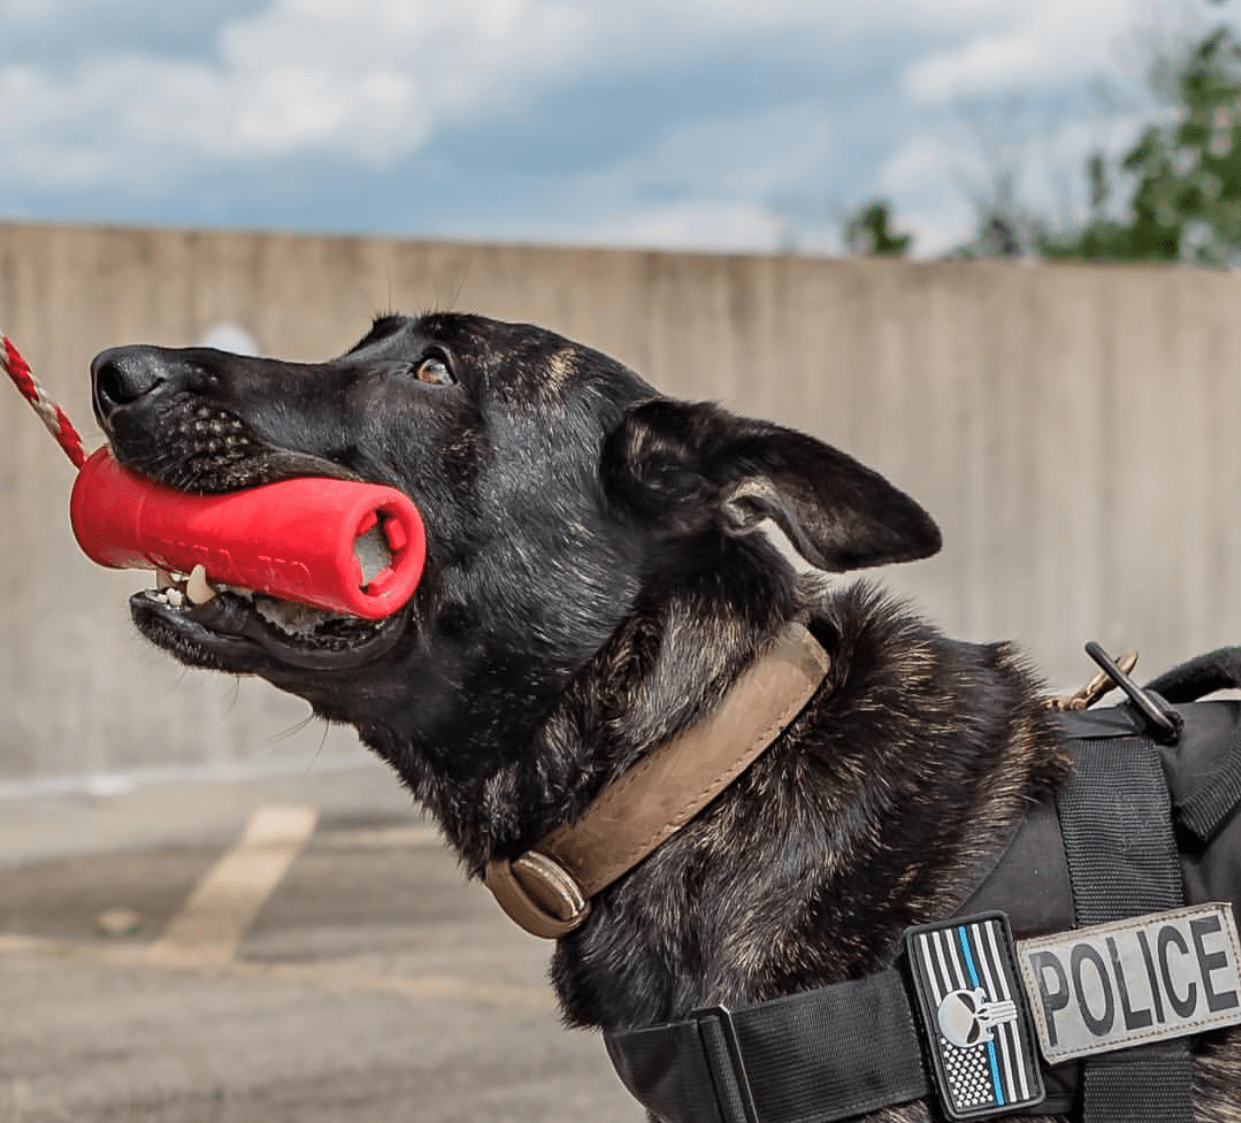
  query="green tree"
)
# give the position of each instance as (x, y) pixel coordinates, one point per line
(1186, 202)
(868, 231)
(1001, 228)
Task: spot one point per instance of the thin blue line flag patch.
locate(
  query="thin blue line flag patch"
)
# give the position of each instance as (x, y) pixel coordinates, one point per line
(976, 1023)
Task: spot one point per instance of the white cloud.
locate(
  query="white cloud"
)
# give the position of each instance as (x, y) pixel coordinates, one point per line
(450, 56)
(374, 79)
(937, 231)
(745, 154)
(927, 178)
(1016, 48)
(940, 176)
(304, 76)
(708, 184)
(692, 225)
(369, 83)
(922, 157)
(30, 11)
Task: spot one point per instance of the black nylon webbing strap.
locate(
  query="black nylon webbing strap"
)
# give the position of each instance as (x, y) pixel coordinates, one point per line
(825, 1054)
(1150, 1084)
(1116, 819)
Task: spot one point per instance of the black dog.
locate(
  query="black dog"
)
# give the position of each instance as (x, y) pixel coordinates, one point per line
(603, 563)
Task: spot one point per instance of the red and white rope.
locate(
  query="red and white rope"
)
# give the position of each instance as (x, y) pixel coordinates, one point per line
(52, 415)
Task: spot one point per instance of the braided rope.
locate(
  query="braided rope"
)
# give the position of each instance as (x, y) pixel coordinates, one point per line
(51, 414)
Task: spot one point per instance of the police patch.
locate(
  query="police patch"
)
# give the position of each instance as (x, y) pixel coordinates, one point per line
(1149, 978)
(975, 1020)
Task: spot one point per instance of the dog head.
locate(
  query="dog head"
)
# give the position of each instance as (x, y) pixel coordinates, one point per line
(563, 499)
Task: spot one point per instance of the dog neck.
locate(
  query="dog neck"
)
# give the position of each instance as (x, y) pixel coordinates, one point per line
(873, 811)
(869, 813)
(548, 889)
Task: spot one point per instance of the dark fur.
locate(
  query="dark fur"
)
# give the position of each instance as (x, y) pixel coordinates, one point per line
(599, 571)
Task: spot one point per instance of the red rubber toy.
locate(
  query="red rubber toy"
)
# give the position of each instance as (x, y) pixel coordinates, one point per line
(355, 548)
(305, 540)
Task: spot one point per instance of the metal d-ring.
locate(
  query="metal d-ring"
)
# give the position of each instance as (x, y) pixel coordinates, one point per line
(1165, 723)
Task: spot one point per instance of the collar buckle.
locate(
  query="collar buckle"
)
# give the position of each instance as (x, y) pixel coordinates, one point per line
(538, 894)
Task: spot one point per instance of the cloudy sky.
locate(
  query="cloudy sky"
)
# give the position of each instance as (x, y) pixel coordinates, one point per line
(703, 124)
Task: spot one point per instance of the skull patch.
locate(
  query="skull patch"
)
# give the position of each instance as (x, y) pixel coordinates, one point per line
(966, 1018)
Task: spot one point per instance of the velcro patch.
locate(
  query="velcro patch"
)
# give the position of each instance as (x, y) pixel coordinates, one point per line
(1149, 978)
(976, 1022)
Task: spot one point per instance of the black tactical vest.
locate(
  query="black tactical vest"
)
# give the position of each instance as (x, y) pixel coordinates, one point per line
(1074, 979)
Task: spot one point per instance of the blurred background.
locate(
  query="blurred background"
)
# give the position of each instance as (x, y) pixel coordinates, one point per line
(987, 247)
(692, 124)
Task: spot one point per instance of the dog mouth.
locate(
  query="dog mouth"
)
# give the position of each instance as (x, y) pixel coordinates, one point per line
(227, 628)
(231, 628)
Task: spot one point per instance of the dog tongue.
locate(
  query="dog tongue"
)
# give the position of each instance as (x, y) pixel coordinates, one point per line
(348, 547)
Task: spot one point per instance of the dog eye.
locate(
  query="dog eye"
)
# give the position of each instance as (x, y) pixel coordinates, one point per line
(435, 371)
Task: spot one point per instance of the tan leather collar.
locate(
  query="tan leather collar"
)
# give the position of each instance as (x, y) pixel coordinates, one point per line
(547, 890)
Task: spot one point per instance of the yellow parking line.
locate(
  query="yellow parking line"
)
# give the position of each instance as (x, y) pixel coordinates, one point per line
(203, 937)
(216, 914)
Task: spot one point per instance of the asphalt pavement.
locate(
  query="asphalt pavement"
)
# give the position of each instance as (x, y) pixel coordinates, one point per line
(298, 949)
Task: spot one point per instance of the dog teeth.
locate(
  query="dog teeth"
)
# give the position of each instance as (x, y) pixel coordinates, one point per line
(179, 591)
(197, 590)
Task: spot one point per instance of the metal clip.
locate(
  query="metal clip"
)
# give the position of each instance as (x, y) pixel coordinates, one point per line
(1096, 688)
(1163, 722)
(538, 893)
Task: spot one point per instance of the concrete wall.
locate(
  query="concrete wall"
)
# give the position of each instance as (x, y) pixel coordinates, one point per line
(1074, 429)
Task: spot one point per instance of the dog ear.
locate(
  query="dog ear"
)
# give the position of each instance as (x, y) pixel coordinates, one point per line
(683, 465)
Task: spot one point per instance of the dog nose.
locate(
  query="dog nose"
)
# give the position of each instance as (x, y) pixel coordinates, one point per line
(122, 375)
